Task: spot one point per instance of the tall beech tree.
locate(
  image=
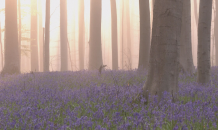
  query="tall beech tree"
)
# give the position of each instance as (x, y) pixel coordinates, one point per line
(47, 38)
(185, 48)
(95, 51)
(33, 36)
(11, 65)
(164, 54)
(144, 48)
(114, 35)
(204, 31)
(63, 35)
(81, 34)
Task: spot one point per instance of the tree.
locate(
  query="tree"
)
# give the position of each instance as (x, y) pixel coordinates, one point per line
(164, 60)
(47, 37)
(216, 33)
(144, 47)
(33, 36)
(114, 35)
(41, 35)
(63, 35)
(81, 34)
(11, 65)
(204, 31)
(95, 53)
(19, 32)
(2, 59)
(186, 60)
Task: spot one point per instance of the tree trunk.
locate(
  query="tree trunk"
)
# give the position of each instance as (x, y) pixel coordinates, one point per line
(114, 35)
(2, 58)
(47, 38)
(40, 32)
(63, 35)
(204, 31)
(19, 33)
(33, 36)
(144, 48)
(216, 34)
(95, 51)
(11, 65)
(164, 56)
(186, 59)
(81, 34)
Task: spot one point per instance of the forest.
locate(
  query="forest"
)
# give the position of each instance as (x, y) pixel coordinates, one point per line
(108, 64)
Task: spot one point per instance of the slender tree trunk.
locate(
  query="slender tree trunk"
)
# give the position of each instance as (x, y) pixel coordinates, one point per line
(128, 37)
(114, 35)
(81, 34)
(11, 65)
(95, 51)
(186, 59)
(2, 58)
(216, 33)
(196, 11)
(19, 33)
(164, 56)
(144, 48)
(40, 35)
(63, 35)
(33, 36)
(204, 31)
(47, 37)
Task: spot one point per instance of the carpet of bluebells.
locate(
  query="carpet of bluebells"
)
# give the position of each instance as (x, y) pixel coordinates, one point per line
(86, 100)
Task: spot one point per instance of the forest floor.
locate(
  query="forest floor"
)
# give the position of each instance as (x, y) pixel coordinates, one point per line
(88, 100)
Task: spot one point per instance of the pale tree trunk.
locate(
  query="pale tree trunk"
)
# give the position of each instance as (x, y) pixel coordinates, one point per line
(33, 36)
(114, 35)
(128, 50)
(81, 34)
(196, 11)
(63, 35)
(204, 31)
(11, 65)
(2, 58)
(216, 33)
(144, 48)
(186, 59)
(19, 32)
(95, 51)
(164, 56)
(40, 35)
(47, 38)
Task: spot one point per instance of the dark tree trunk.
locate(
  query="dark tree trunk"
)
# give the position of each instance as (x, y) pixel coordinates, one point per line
(144, 48)
(40, 28)
(47, 37)
(164, 56)
(95, 52)
(114, 35)
(11, 65)
(204, 31)
(63, 35)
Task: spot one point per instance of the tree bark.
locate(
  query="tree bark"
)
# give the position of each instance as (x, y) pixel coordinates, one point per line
(63, 35)
(164, 56)
(186, 59)
(144, 48)
(95, 51)
(40, 32)
(81, 34)
(33, 36)
(216, 34)
(204, 31)
(11, 65)
(19, 32)
(114, 35)
(47, 38)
